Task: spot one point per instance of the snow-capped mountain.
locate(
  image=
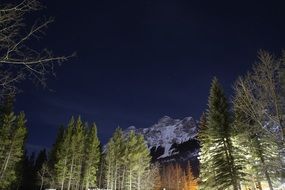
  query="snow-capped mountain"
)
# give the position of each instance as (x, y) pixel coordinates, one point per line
(171, 139)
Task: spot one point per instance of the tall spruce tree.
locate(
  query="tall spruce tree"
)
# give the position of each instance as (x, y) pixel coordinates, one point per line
(132, 158)
(109, 161)
(76, 155)
(143, 161)
(115, 161)
(220, 154)
(91, 158)
(127, 162)
(12, 138)
(207, 178)
(62, 156)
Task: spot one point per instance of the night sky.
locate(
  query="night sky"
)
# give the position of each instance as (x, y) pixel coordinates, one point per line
(140, 60)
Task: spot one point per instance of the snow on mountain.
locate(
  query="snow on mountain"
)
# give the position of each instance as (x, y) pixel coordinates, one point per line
(167, 133)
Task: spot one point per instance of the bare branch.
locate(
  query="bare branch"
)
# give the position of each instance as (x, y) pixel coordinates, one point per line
(19, 61)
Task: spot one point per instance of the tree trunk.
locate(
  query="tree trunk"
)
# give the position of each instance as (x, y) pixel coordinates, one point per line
(115, 177)
(230, 161)
(70, 175)
(42, 183)
(6, 163)
(130, 181)
(123, 179)
(266, 174)
(63, 177)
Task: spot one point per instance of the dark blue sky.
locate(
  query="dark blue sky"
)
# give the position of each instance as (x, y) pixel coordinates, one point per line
(140, 60)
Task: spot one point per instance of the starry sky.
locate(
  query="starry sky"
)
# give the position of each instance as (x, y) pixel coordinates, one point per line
(142, 59)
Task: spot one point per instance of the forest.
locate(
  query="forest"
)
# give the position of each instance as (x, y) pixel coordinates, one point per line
(241, 137)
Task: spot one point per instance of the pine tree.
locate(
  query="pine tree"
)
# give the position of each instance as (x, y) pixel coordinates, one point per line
(109, 161)
(52, 155)
(116, 161)
(12, 138)
(120, 154)
(91, 158)
(132, 158)
(127, 161)
(75, 155)
(207, 178)
(223, 163)
(143, 161)
(6, 106)
(62, 156)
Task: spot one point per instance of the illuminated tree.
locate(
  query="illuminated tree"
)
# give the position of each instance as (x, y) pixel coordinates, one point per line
(115, 169)
(189, 183)
(207, 178)
(172, 176)
(62, 155)
(127, 162)
(260, 97)
(12, 137)
(91, 158)
(220, 155)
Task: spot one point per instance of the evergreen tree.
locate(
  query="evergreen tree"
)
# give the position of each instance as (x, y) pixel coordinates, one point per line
(91, 158)
(119, 155)
(207, 178)
(75, 156)
(6, 106)
(132, 158)
(127, 161)
(62, 155)
(223, 162)
(12, 138)
(52, 155)
(109, 161)
(143, 161)
(116, 153)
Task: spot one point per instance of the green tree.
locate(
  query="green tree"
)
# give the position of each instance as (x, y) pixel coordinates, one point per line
(115, 156)
(75, 155)
(143, 161)
(132, 158)
(259, 95)
(12, 138)
(224, 163)
(207, 178)
(262, 155)
(91, 158)
(127, 162)
(62, 155)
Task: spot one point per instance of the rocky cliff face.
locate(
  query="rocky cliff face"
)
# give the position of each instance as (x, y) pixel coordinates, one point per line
(171, 139)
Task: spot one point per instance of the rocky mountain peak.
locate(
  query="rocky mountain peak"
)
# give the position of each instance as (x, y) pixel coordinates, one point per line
(168, 133)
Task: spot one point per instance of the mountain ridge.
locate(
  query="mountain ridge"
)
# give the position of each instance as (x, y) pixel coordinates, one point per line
(168, 138)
